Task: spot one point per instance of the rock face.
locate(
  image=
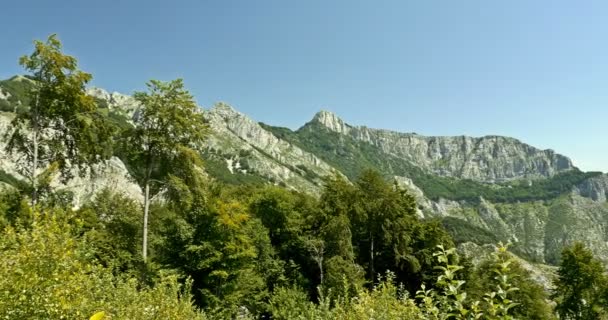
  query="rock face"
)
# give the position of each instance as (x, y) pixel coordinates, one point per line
(117, 102)
(4, 95)
(111, 174)
(538, 228)
(487, 159)
(8, 163)
(241, 140)
(595, 188)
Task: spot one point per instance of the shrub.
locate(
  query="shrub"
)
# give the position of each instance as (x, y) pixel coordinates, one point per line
(46, 273)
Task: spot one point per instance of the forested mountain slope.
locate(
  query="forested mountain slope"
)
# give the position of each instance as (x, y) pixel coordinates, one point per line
(483, 189)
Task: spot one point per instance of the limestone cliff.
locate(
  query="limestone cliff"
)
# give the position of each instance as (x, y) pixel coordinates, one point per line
(487, 159)
(249, 149)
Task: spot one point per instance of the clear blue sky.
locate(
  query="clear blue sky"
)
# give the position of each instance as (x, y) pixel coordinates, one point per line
(534, 70)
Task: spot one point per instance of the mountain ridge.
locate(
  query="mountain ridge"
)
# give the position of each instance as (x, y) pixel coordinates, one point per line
(512, 191)
(439, 148)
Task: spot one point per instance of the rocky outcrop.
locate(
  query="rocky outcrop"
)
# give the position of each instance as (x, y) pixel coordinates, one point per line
(117, 102)
(4, 95)
(487, 159)
(595, 188)
(241, 139)
(110, 174)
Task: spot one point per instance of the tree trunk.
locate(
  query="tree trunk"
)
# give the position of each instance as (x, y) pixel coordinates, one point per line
(371, 257)
(35, 167)
(146, 209)
(35, 133)
(321, 270)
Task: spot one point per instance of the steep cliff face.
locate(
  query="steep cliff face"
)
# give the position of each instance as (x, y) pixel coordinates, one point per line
(111, 174)
(595, 188)
(116, 102)
(486, 159)
(247, 148)
(484, 189)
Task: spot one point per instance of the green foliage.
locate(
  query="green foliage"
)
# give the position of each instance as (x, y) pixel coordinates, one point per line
(46, 273)
(168, 128)
(12, 180)
(463, 231)
(114, 231)
(14, 209)
(387, 301)
(169, 119)
(61, 128)
(384, 301)
(581, 286)
(531, 298)
(343, 275)
(222, 248)
(452, 301)
(18, 89)
(374, 224)
(245, 249)
(290, 303)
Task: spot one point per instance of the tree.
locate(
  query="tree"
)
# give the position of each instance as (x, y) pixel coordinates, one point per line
(113, 221)
(61, 130)
(284, 214)
(222, 248)
(167, 121)
(530, 298)
(580, 285)
(382, 225)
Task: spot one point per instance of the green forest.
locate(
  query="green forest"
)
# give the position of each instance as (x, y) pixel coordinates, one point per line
(200, 248)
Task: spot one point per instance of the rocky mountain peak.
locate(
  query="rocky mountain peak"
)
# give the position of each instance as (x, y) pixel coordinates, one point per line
(224, 109)
(331, 121)
(116, 101)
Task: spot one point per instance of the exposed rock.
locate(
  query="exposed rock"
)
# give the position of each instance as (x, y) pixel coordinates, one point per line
(4, 95)
(487, 159)
(117, 102)
(112, 174)
(8, 163)
(595, 188)
(332, 121)
(233, 133)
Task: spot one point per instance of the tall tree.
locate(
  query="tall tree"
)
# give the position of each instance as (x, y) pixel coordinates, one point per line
(61, 129)
(382, 224)
(167, 123)
(580, 285)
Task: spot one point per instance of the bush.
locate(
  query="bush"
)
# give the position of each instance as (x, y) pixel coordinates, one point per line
(46, 273)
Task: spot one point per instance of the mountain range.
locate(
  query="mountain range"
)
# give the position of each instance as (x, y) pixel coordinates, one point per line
(483, 189)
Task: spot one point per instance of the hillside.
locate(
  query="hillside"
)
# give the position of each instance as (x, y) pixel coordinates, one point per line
(483, 189)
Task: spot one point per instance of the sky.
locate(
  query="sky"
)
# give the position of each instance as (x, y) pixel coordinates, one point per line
(533, 70)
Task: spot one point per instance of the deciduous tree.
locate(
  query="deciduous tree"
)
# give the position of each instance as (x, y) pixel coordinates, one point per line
(580, 284)
(61, 125)
(167, 123)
